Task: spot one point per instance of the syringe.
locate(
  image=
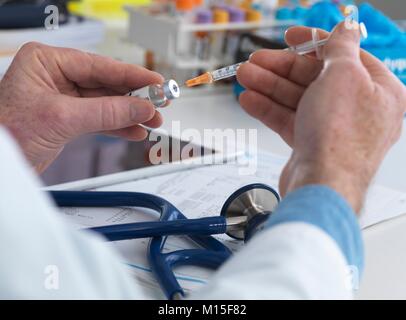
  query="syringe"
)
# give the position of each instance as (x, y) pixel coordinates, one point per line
(230, 71)
(213, 76)
(313, 45)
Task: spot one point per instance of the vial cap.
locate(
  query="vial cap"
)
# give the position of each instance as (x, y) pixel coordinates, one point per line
(171, 89)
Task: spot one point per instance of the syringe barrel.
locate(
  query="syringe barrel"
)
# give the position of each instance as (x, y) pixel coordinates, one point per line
(308, 47)
(225, 72)
(312, 45)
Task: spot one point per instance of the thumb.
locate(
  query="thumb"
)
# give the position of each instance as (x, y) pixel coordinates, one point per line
(108, 113)
(344, 42)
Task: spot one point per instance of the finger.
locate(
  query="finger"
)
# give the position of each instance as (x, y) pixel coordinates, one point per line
(298, 69)
(298, 35)
(279, 89)
(279, 118)
(98, 92)
(378, 71)
(344, 43)
(137, 132)
(108, 113)
(375, 67)
(89, 70)
(155, 122)
(133, 133)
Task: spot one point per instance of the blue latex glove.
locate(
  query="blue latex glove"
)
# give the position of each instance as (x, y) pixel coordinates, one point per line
(382, 31)
(324, 15)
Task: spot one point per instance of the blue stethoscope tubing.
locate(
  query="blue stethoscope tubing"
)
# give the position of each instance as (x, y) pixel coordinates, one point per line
(213, 254)
(164, 227)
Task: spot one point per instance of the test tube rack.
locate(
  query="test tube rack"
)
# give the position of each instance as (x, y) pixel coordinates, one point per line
(169, 37)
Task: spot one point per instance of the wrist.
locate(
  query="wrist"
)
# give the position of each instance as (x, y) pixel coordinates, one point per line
(351, 184)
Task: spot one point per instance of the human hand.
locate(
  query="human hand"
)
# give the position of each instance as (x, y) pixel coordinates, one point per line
(50, 96)
(340, 115)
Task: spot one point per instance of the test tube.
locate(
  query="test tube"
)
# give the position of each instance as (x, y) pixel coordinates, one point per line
(158, 94)
(220, 16)
(237, 15)
(202, 48)
(184, 9)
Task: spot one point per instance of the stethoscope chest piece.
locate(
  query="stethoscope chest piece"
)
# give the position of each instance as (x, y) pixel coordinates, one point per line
(249, 202)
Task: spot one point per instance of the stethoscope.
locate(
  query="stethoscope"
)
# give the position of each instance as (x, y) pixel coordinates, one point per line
(242, 215)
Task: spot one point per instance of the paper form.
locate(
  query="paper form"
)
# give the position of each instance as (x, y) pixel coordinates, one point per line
(382, 204)
(199, 193)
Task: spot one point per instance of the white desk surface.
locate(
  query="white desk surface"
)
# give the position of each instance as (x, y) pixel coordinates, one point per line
(385, 244)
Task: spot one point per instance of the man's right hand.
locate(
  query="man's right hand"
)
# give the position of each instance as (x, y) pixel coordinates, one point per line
(340, 115)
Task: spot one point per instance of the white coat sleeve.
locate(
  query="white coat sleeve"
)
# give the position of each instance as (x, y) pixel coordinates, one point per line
(42, 255)
(311, 248)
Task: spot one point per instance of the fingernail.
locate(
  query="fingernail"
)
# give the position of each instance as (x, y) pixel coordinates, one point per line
(349, 30)
(363, 30)
(249, 58)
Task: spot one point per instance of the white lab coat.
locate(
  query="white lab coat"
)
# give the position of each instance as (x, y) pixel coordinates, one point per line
(44, 257)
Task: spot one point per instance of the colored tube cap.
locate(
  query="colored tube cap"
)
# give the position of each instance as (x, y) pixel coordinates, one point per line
(198, 3)
(220, 16)
(236, 14)
(284, 14)
(204, 16)
(254, 16)
(185, 5)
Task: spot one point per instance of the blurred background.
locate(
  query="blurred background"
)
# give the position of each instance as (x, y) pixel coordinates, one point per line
(394, 8)
(180, 39)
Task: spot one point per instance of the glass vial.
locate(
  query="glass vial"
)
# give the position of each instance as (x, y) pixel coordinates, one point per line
(158, 94)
